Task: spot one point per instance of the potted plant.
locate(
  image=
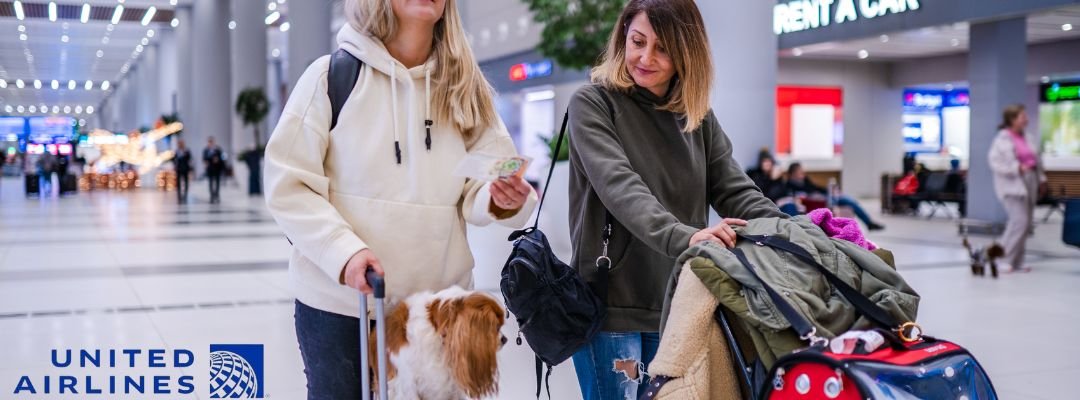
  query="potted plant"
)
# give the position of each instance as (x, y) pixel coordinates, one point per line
(252, 106)
(575, 32)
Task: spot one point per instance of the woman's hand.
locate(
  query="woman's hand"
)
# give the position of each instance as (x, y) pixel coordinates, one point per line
(357, 266)
(509, 193)
(721, 233)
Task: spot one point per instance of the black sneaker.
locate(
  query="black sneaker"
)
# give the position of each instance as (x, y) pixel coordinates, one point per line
(874, 226)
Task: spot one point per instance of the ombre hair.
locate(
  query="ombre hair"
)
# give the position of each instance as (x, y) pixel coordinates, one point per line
(681, 30)
(460, 94)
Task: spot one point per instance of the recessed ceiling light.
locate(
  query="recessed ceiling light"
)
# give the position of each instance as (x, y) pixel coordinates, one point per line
(89, 109)
(89, 85)
(117, 13)
(272, 6)
(105, 40)
(139, 48)
(33, 109)
(55, 109)
(149, 16)
(796, 52)
(284, 26)
(22, 28)
(19, 10)
(78, 109)
(55, 85)
(21, 109)
(1066, 27)
(884, 38)
(9, 108)
(43, 106)
(100, 53)
(232, 25)
(52, 11)
(276, 53)
(174, 23)
(67, 109)
(64, 38)
(145, 41)
(273, 17)
(863, 54)
(19, 83)
(104, 85)
(3, 84)
(110, 27)
(85, 15)
(955, 42)
(150, 33)
(172, 2)
(22, 36)
(37, 84)
(72, 85)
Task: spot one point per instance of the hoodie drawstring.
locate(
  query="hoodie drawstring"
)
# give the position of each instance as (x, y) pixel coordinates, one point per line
(393, 102)
(427, 110)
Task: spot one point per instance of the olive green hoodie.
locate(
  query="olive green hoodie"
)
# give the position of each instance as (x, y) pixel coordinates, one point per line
(655, 180)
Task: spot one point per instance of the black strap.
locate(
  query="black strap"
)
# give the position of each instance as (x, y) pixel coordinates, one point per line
(861, 303)
(340, 80)
(542, 378)
(551, 169)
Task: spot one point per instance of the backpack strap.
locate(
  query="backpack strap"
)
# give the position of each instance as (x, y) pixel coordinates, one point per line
(340, 80)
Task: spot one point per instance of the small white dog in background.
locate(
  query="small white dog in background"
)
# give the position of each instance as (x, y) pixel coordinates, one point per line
(442, 346)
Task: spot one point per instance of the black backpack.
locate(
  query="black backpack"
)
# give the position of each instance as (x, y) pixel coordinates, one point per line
(556, 310)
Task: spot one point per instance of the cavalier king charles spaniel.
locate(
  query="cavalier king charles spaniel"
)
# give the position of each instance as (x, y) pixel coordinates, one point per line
(442, 346)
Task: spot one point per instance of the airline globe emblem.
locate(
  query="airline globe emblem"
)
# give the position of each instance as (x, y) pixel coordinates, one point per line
(231, 377)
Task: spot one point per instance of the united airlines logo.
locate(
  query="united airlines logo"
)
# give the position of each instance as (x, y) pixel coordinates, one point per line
(236, 371)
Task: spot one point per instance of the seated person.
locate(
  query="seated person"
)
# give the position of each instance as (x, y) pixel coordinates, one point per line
(767, 176)
(799, 185)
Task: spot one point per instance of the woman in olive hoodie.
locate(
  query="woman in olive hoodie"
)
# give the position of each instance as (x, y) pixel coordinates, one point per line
(645, 147)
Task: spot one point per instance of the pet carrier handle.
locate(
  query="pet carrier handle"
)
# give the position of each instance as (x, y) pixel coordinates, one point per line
(377, 283)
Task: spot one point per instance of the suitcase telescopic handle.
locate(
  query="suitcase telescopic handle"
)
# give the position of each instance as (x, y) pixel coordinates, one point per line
(377, 283)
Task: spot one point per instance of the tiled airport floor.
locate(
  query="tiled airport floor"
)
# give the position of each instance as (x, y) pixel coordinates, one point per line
(134, 270)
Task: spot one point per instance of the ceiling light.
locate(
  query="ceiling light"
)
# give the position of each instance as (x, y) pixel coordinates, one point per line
(284, 26)
(89, 109)
(22, 28)
(19, 11)
(19, 83)
(37, 84)
(145, 41)
(796, 52)
(174, 23)
(105, 40)
(78, 109)
(55, 109)
(172, 2)
(64, 38)
(884, 38)
(67, 109)
(100, 53)
(3, 84)
(72, 85)
(272, 6)
(89, 85)
(85, 16)
(21, 109)
(104, 85)
(8, 108)
(863, 54)
(119, 12)
(1066, 27)
(1045, 79)
(150, 33)
(149, 16)
(955, 42)
(43, 107)
(22, 36)
(276, 53)
(139, 48)
(52, 11)
(33, 109)
(232, 25)
(273, 17)
(55, 85)
(110, 27)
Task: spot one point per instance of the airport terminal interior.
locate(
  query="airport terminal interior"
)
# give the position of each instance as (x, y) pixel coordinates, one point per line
(97, 251)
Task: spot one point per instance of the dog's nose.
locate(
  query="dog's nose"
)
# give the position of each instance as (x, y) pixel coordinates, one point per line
(503, 339)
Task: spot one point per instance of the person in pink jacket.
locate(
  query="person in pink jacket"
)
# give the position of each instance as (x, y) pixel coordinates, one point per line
(1018, 177)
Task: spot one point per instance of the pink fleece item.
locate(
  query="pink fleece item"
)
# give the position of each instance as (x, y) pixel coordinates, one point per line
(840, 228)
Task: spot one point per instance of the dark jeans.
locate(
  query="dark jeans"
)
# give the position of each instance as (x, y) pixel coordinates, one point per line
(182, 186)
(215, 187)
(330, 348)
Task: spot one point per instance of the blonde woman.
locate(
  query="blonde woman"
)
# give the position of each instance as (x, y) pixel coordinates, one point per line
(1018, 175)
(373, 192)
(645, 148)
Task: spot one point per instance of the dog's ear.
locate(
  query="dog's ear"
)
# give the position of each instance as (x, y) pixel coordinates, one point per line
(471, 342)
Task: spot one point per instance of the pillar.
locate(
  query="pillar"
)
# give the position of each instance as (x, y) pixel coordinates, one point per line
(309, 36)
(743, 91)
(248, 65)
(996, 70)
(210, 76)
(184, 84)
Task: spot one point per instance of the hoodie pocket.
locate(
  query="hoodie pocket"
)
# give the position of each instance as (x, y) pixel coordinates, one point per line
(413, 242)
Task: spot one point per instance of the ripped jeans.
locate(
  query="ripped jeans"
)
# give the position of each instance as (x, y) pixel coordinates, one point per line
(612, 365)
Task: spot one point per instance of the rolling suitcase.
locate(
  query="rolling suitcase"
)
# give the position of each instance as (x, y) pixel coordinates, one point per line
(1071, 228)
(32, 184)
(379, 286)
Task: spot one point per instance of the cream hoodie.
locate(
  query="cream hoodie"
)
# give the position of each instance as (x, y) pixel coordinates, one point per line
(336, 192)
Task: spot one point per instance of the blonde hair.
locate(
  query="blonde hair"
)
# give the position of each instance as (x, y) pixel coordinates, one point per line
(460, 93)
(681, 30)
